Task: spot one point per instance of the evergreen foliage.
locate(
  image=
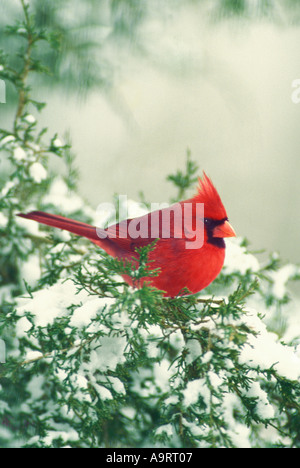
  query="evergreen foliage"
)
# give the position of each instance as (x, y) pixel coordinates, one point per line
(91, 362)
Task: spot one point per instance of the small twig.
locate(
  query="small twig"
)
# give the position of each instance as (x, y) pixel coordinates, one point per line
(23, 95)
(211, 301)
(78, 348)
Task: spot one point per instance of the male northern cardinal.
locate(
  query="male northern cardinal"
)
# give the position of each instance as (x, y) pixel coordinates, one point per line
(186, 261)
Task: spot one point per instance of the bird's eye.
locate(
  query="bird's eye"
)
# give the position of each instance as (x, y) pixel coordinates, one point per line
(212, 223)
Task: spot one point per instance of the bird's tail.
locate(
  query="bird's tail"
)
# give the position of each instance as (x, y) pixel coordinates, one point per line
(76, 227)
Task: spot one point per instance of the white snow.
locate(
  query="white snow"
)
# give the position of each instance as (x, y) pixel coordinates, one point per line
(69, 435)
(116, 384)
(238, 432)
(30, 270)
(8, 186)
(281, 277)
(194, 350)
(216, 380)
(206, 357)
(7, 139)
(57, 143)
(265, 351)
(196, 429)
(263, 408)
(19, 154)
(165, 429)
(38, 172)
(3, 220)
(162, 373)
(30, 119)
(47, 304)
(35, 386)
(194, 390)
(22, 31)
(103, 392)
(108, 354)
(151, 335)
(60, 196)
(129, 412)
(238, 259)
(86, 312)
(33, 355)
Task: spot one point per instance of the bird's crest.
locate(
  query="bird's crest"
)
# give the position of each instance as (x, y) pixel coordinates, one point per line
(207, 194)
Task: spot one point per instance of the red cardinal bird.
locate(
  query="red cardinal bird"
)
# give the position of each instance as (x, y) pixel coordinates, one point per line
(189, 250)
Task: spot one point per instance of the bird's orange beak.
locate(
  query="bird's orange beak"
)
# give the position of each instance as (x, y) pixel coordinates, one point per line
(225, 230)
